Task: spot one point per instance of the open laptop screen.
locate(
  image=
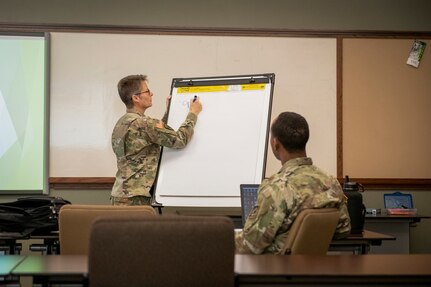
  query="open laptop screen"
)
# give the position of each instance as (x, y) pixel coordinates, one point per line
(248, 194)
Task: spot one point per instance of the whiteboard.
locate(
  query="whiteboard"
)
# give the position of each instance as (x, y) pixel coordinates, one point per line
(86, 67)
(228, 147)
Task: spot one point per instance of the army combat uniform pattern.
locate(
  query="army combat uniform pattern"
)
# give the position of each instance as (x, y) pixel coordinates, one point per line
(136, 142)
(298, 185)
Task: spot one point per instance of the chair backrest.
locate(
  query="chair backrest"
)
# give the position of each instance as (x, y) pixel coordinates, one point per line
(163, 251)
(312, 231)
(75, 222)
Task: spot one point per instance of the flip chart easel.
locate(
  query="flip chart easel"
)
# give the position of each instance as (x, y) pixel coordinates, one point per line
(228, 147)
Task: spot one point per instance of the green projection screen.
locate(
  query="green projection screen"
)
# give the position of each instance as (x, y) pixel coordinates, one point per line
(23, 113)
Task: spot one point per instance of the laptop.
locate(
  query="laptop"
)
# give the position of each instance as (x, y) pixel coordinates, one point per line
(398, 200)
(399, 203)
(248, 193)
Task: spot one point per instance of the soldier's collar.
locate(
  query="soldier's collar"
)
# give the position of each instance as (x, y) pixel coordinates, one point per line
(293, 163)
(132, 110)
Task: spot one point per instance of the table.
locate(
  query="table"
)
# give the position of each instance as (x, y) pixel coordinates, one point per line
(7, 264)
(359, 243)
(395, 225)
(50, 245)
(54, 269)
(9, 246)
(268, 270)
(333, 270)
(355, 243)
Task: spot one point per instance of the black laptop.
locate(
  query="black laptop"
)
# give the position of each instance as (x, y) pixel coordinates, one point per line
(248, 193)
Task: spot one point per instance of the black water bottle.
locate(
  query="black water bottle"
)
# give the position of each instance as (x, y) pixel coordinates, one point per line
(355, 204)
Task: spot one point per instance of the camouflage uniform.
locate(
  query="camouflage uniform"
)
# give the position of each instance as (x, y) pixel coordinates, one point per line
(136, 142)
(297, 186)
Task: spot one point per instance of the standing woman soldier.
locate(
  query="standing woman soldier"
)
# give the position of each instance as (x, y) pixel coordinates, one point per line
(137, 138)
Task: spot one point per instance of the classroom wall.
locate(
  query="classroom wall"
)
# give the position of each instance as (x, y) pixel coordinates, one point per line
(331, 15)
(389, 15)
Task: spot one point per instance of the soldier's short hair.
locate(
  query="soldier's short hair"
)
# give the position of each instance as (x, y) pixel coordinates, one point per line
(128, 86)
(291, 129)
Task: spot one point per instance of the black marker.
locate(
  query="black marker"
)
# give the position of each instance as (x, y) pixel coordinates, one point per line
(195, 98)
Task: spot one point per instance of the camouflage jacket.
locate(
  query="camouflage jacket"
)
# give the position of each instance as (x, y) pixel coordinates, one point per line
(136, 142)
(297, 186)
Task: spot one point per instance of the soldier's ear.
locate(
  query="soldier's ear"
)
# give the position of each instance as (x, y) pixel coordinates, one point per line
(135, 98)
(276, 144)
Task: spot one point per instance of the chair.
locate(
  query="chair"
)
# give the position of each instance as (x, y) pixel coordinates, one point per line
(312, 231)
(75, 223)
(163, 251)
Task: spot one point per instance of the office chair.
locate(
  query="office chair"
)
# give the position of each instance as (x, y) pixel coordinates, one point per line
(164, 250)
(312, 231)
(75, 222)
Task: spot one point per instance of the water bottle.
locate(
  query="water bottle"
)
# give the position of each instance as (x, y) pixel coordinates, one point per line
(355, 205)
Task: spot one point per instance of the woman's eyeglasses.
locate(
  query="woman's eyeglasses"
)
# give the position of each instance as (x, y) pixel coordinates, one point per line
(147, 91)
